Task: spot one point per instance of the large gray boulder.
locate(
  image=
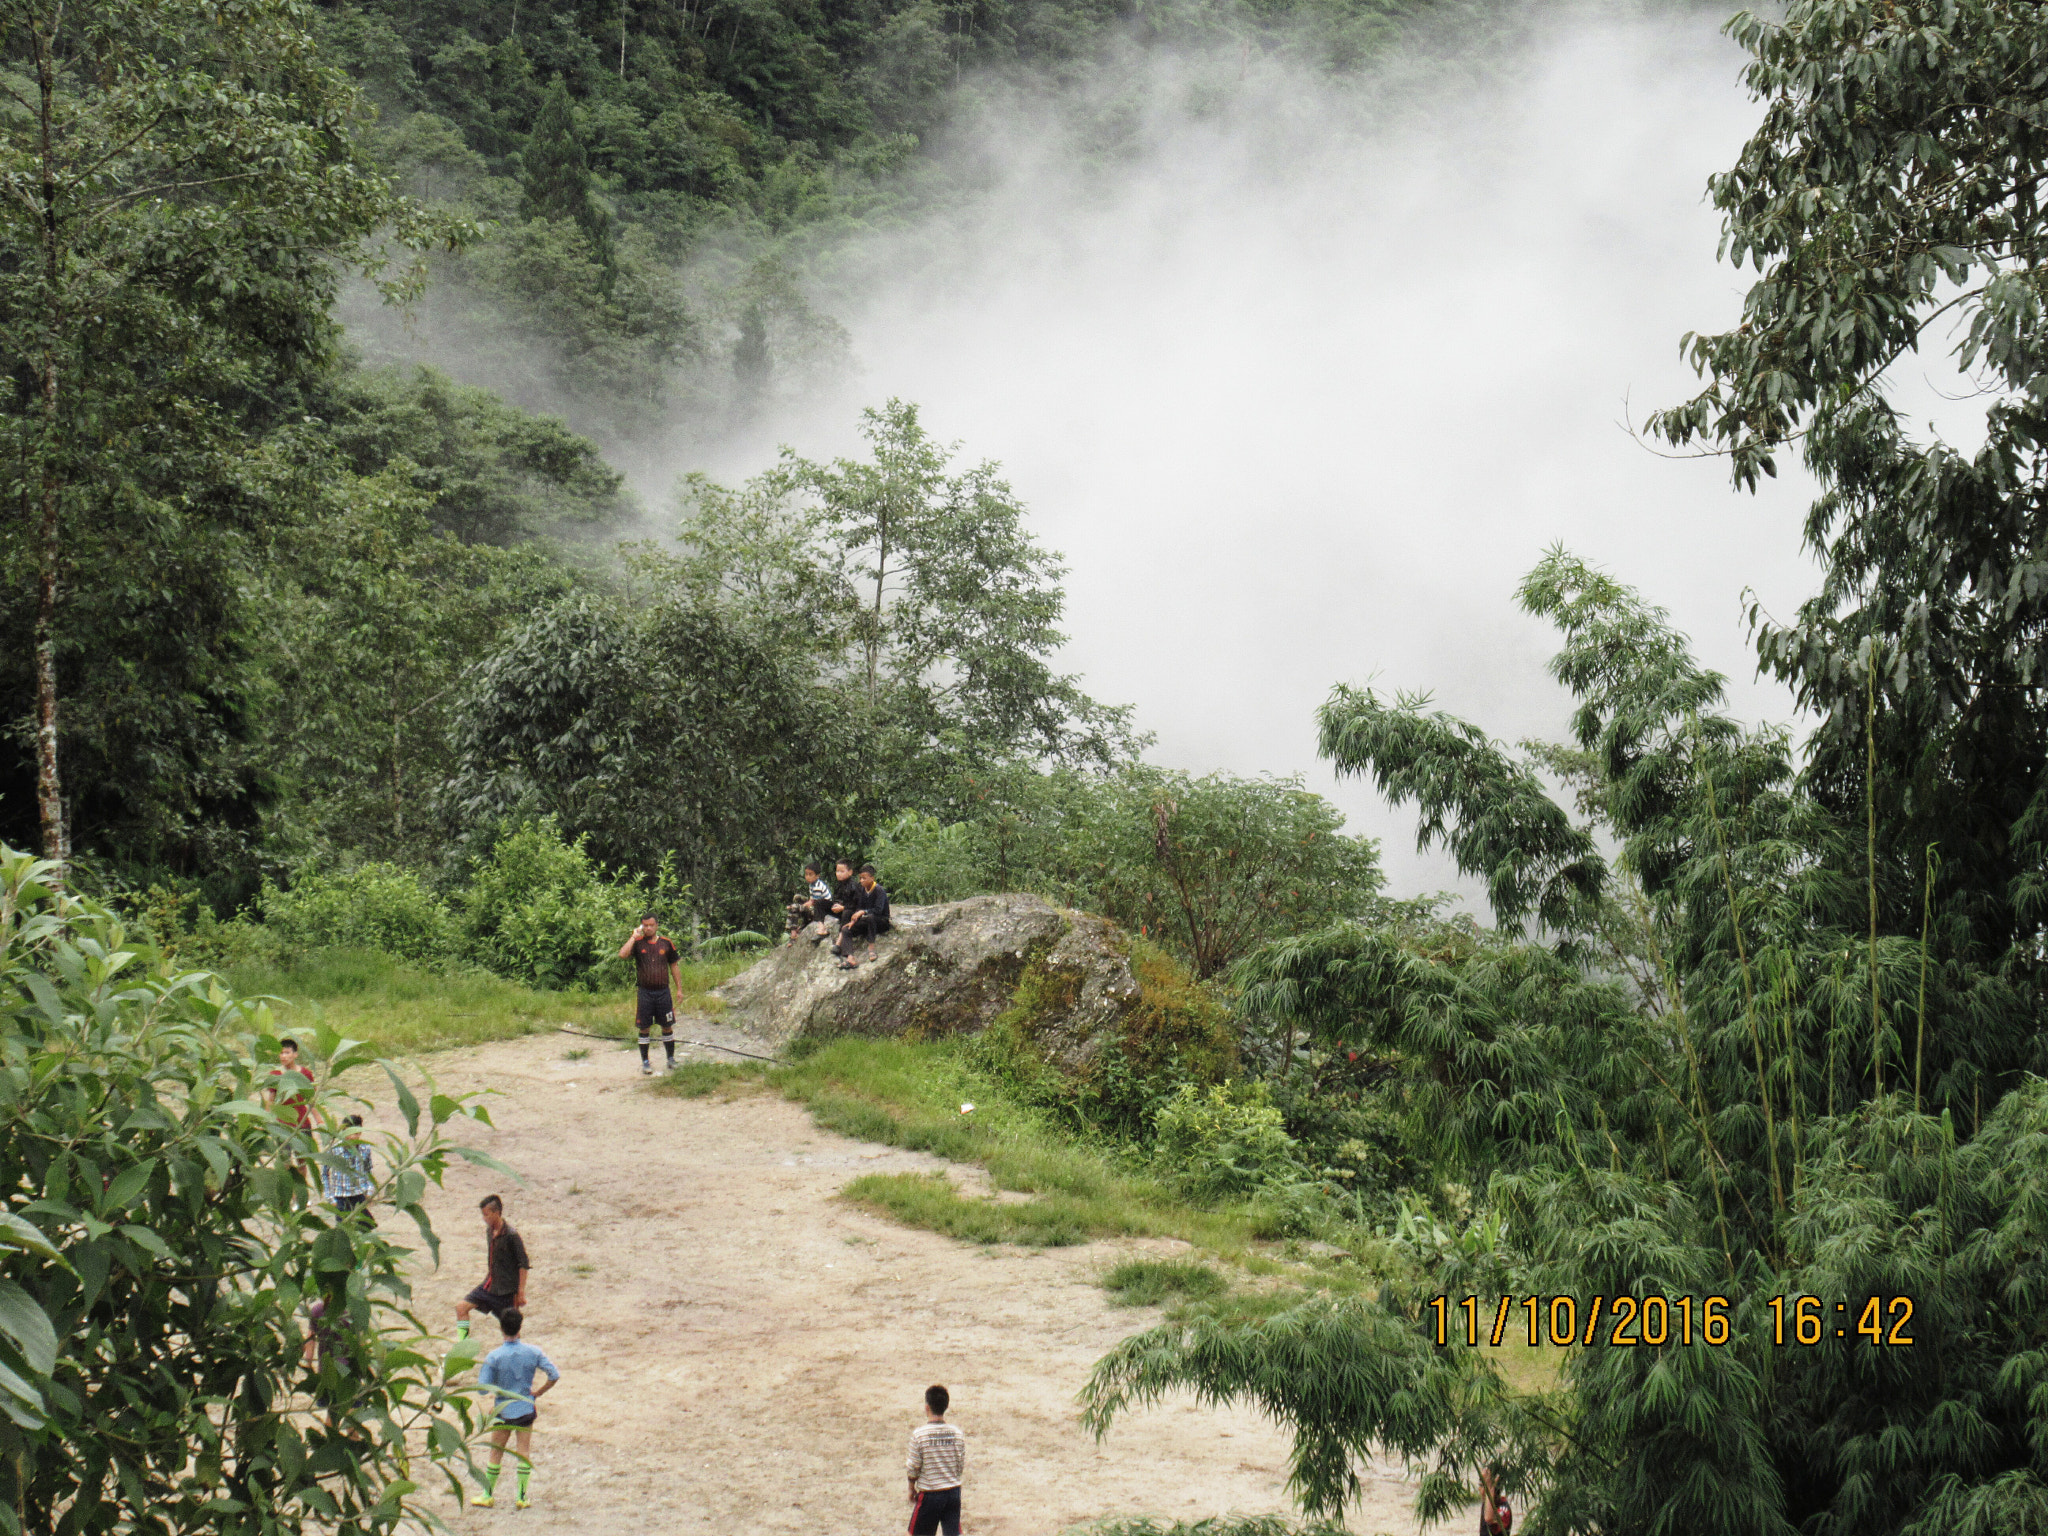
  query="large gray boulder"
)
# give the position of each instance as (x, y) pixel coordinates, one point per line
(1064, 977)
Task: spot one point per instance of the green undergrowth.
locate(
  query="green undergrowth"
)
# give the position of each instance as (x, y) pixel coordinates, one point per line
(1214, 1525)
(910, 1094)
(1148, 1282)
(934, 1202)
(404, 1009)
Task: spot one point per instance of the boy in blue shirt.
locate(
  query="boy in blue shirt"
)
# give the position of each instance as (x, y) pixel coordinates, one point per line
(510, 1368)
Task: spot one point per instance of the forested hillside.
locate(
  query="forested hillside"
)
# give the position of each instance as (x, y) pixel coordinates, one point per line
(279, 600)
(1736, 1106)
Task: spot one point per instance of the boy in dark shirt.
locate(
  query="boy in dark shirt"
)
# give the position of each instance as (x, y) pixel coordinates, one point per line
(845, 895)
(654, 969)
(505, 1268)
(870, 920)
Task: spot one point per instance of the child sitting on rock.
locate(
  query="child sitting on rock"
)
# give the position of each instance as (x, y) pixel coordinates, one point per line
(868, 918)
(814, 905)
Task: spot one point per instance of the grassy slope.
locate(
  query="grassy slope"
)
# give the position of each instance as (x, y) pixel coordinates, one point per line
(909, 1094)
(404, 1010)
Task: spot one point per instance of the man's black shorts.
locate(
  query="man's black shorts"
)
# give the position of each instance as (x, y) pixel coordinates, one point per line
(656, 1007)
(936, 1513)
(492, 1302)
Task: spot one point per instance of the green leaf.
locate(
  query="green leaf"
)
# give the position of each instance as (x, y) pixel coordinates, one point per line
(93, 1264)
(485, 1160)
(29, 1326)
(46, 997)
(18, 1234)
(408, 1106)
(148, 1242)
(127, 1185)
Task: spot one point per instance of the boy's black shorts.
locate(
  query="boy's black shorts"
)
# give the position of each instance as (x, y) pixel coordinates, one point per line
(488, 1301)
(936, 1513)
(656, 1007)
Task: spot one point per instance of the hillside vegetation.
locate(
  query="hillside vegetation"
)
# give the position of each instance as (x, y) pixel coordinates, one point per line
(329, 676)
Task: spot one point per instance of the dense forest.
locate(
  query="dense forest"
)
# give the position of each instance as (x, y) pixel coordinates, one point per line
(306, 648)
(341, 584)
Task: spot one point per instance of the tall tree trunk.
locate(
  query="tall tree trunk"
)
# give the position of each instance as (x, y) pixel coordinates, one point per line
(49, 546)
(397, 774)
(875, 621)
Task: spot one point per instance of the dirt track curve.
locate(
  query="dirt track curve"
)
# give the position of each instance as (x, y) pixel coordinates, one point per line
(743, 1353)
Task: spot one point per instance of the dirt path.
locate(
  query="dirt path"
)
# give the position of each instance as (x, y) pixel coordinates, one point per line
(743, 1353)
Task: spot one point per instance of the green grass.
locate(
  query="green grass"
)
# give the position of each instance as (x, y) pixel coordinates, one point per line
(1148, 1282)
(697, 1079)
(908, 1094)
(404, 1009)
(1214, 1525)
(931, 1201)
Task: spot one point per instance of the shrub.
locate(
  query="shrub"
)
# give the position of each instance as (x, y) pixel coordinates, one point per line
(1352, 1138)
(1177, 1033)
(540, 910)
(372, 906)
(1226, 1142)
(930, 861)
(161, 1257)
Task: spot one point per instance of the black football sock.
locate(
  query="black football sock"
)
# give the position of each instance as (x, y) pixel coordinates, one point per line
(668, 1044)
(643, 1050)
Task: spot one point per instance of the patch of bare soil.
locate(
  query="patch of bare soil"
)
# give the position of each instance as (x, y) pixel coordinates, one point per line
(741, 1352)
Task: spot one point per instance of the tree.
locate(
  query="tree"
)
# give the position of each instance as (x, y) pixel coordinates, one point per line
(494, 474)
(161, 1255)
(362, 641)
(177, 182)
(558, 176)
(1206, 867)
(935, 602)
(1890, 202)
(663, 735)
(1212, 866)
(1773, 1102)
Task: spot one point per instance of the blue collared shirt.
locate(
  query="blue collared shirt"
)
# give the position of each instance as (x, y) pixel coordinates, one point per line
(510, 1368)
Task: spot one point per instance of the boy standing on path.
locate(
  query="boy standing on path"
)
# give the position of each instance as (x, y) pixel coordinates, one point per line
(654, 968)
(292, 1097)
(510, 1368)
(345, 1169)
(938, 1457)
(504, 1287)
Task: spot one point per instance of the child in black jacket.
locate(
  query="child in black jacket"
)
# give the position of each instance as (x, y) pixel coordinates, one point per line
(869, 919)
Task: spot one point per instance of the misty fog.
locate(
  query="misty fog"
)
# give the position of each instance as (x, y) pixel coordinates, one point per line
(1302, 376)
(1300, 398)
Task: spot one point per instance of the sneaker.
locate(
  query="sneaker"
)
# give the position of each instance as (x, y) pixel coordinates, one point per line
(673, 1064)
(482, 1501)
(647, 1069)
(522, 1503)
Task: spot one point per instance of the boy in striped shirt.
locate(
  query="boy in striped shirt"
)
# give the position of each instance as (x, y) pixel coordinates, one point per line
(938, 1456)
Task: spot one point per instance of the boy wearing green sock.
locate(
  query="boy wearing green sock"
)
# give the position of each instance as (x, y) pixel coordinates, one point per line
(509, 1370)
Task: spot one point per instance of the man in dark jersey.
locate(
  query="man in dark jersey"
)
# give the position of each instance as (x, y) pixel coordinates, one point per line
(505, 1266)
(654, 965)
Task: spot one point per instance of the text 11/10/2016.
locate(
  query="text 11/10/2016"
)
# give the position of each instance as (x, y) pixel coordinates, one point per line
(1626, 1321)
